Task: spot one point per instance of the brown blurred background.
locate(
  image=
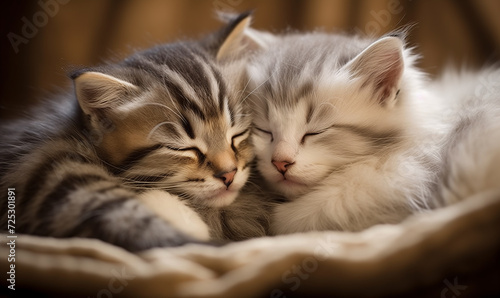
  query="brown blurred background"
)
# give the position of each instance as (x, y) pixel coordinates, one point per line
(42, 39)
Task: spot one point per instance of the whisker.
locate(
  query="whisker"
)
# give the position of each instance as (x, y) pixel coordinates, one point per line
(256, 88)
(160, 124)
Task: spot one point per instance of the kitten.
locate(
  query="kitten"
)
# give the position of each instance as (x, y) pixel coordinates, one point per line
(142, 147)
(352, 133)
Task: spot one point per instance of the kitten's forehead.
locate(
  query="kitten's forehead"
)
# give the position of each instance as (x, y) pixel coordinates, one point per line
(288, 73)
(185, 72)
(186, 80)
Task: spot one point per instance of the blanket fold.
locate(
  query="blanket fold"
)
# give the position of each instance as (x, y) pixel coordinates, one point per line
(443, 253)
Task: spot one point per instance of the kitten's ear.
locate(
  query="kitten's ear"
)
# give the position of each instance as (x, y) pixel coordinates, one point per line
(381, 66)
(97, 91)
(238, 38)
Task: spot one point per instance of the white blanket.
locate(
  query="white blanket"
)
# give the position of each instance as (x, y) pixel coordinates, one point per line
(447, 252)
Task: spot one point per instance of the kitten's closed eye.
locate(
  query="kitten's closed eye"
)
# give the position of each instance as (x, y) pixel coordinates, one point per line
(201, 156)
(311, 134)
(303, 138)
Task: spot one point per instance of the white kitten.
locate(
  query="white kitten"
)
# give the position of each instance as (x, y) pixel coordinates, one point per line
(353, 135)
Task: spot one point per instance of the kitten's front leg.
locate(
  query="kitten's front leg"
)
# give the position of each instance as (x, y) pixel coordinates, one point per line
(343, 205)
(170, 208)
(314, 211)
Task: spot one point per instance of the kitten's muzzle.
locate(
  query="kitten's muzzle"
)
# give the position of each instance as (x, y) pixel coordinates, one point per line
(226, 177)
(282, 166)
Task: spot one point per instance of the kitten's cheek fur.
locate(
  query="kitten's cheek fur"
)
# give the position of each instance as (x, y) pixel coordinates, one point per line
(175, 212)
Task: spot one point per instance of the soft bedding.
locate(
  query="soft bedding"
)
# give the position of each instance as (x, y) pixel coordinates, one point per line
(449, 252)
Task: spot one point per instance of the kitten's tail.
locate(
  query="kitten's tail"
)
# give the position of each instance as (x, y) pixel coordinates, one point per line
(472, 154)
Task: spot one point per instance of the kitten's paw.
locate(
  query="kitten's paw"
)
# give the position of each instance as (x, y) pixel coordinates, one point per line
(170, 208)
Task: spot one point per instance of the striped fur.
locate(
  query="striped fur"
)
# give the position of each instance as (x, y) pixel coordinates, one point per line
(346, 131)
(166, 122)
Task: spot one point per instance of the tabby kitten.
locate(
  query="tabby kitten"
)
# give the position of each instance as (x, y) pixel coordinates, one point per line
(142, 147)
(350, 131)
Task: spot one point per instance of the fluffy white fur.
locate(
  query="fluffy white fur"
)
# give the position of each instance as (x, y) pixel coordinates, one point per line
(428, 144)
(469, 107)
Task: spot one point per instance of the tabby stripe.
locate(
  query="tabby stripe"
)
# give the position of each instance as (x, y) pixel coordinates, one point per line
(99, 197)
(228, 114)
(267, 109)
(187, 68)
(195, 180)
(310, 112)
(183, 196)
(197, 78)
(305, 90)
(192, 67)
(378, 139)
(134, 157)
(213, 78)
(175, 90)
(188, 128)
(268, 89)
(232, 114)
(185, 101)
(39, 176)
(105, 205)
(194, 92)
(59, 196)
(92, 219)
(148, 178)
(221, 87)
(61, 191)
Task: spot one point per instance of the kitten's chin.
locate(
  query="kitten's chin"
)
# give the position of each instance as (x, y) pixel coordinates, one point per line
(289, 187)
(221, 198)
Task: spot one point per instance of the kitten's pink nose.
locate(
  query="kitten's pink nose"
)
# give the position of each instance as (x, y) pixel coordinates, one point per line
(226, 177)
(282, 166)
